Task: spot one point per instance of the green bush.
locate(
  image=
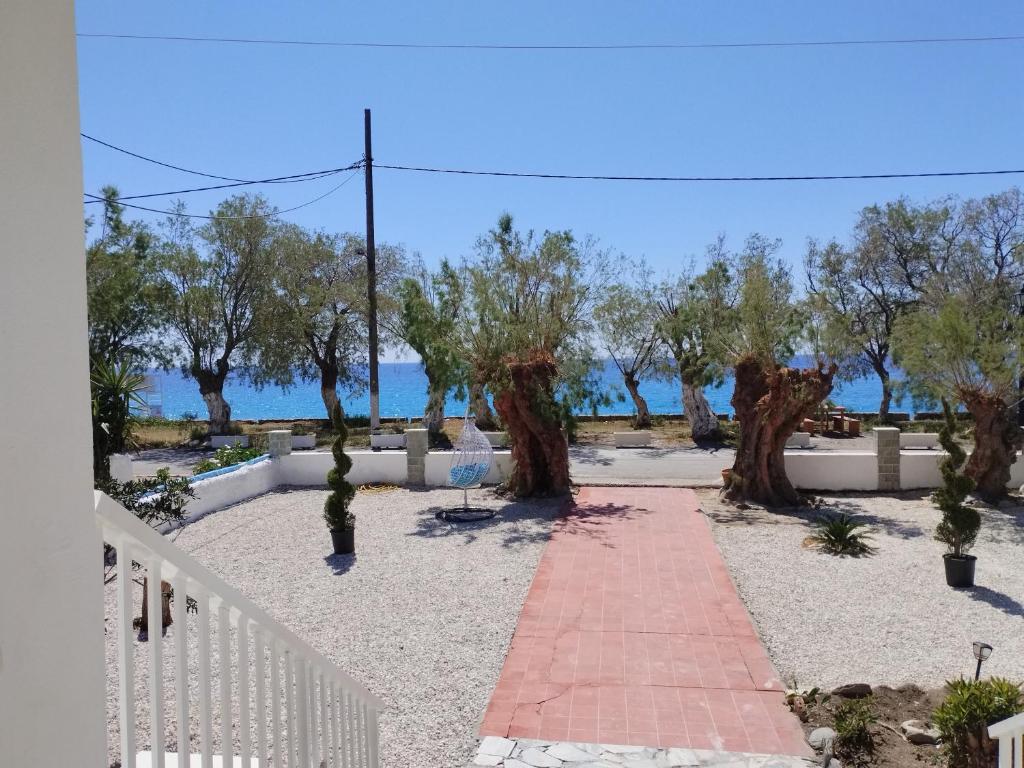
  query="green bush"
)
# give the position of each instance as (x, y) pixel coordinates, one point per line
(336, 508)
(841, 534)
(853, 718)
(227, 456)
(963, 719)
(115, 390)
(960, 524)
(167, 496)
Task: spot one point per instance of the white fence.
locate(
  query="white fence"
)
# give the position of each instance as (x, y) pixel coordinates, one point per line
(289, 705)
(1010, 735)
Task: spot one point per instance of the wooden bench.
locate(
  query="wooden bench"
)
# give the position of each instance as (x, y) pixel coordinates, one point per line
(634, 439)
(927, 440)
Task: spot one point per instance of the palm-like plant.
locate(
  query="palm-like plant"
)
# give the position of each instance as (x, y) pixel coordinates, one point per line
(842, 534)
(115, 388)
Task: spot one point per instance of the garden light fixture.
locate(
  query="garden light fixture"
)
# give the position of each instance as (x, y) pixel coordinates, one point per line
(981, 652)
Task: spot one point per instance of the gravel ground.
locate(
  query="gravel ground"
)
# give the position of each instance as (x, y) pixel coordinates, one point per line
(422, 615)
(888, 618)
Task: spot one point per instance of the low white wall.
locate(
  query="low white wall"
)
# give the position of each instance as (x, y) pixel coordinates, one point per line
(832, 470)
(437, 466)
(367, 467)
(223, 490)
(920, 469)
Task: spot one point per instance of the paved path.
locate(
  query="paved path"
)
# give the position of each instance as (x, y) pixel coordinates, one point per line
(596, 465)
(633, 633)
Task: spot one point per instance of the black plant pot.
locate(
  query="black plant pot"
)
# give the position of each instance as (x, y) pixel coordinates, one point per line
(344, 541)
(960, 570)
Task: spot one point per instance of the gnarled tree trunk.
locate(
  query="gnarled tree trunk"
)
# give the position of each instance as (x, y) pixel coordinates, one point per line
(540, 452)
(165, 608)
(433, 414)
(211, 387)
(329, 389)
(886, 401)
(703, 421)
(770, 402)
(643, 413)
(996, 441)
(481, 408)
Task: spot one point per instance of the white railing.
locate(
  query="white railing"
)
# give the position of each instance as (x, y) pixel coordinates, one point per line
(1010, 735)
(319, 716)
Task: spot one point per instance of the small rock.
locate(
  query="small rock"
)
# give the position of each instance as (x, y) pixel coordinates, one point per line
(569, 753)
(852, 691)
(821, 737)
(496, 745)
(919, 732)
(539, 759)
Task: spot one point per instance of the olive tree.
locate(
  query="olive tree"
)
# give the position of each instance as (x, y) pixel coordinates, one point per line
(626, 318)
(215, 280)
(770, 398)
(530, 302)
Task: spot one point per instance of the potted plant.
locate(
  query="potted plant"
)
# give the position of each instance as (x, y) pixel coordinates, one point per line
(339, 520)
(959, 527)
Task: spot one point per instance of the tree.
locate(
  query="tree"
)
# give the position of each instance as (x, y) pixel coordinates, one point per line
(124, 305)
(431, 313)
(859, 295)
(963, 339)
(215, 292)
(314, 322)
(626, 319)
(694, 311)
(530, 304)
(770, 399)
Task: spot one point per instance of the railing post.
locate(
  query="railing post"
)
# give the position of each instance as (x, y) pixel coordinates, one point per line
(224, 651)
(154, 635)
(373, 731)
(244, 736)
(126, 667)
(205, 695)
(302, 695)
(180, 587)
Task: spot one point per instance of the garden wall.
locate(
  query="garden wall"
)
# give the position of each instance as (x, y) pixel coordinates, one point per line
(832, 470)
(217, 492)
(367, 467)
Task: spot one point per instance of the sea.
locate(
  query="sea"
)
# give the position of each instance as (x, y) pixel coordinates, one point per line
(403, 395)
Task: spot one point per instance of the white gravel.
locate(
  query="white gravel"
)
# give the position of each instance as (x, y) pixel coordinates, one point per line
(888, 618)
(422, 615)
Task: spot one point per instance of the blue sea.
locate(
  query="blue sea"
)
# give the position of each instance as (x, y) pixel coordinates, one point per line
(403, 390)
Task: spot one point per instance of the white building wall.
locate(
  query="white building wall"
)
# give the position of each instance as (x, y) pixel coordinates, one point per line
(52, 688)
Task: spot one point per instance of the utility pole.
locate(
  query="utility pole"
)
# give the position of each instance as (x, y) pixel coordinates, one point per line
(371, 278)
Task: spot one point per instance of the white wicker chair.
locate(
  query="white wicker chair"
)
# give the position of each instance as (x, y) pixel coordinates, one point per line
(472, 459)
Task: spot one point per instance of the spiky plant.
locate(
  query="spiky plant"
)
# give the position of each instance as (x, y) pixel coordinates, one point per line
(959, 527)
(336, 512)
(841, 534)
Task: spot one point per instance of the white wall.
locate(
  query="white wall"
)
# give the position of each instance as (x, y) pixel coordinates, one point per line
(52, 688)
(437, 466)
(367, 467)
(832, 470)
(223, 490)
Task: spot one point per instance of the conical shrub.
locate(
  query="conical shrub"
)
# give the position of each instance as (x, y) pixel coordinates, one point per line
(336, 508)
(960, 524)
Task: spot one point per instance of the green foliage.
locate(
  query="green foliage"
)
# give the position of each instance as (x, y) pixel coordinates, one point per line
(336, 508)
(154, 500)
(960, 524)
(853, 719)
(963, 718)
(841, 534)
(115, 390)
(227, 456)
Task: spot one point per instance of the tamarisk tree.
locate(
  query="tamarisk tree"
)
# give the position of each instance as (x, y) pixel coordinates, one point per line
(626, 320)
(770, 398)
(530, 302)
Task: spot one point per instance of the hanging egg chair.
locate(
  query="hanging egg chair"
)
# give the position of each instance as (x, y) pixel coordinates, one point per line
(472, 458)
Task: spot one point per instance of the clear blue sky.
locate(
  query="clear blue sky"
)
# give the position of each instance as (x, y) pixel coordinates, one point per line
(258, 111)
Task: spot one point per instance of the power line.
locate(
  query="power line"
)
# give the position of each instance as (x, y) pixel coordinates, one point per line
(331, 191)
(829, 177)
(563, 46)
(157, 162)
(311, 176)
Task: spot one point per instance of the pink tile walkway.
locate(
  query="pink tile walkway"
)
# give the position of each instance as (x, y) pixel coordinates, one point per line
(633, 633)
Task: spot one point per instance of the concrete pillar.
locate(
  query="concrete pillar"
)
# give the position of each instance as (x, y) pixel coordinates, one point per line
(887, 448)
(52, 686)
(279, 442)
(415, 456)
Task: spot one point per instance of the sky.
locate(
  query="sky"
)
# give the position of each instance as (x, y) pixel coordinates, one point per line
(255, 111)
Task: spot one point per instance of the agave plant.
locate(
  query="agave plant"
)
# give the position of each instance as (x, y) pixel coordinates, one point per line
(841, 534)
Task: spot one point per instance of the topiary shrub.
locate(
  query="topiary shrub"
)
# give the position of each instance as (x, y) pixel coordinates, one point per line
(963, 719)
(336, 508)
(960, 524)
